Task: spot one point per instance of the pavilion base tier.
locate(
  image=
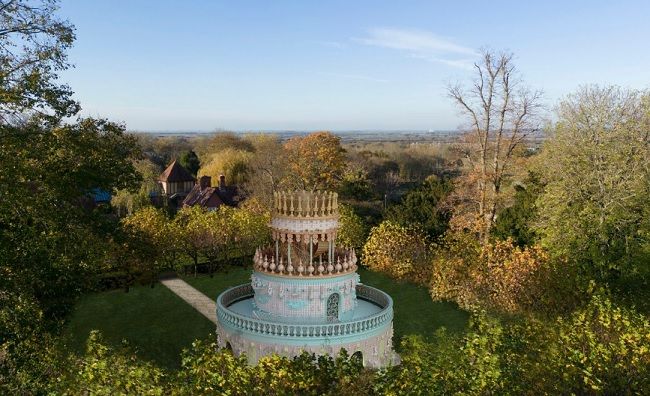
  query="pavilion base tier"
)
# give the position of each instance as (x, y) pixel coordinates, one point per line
(376, 351)
(369, 333)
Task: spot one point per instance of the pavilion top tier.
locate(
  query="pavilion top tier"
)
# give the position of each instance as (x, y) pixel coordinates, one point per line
(306, 205)
(304, 226)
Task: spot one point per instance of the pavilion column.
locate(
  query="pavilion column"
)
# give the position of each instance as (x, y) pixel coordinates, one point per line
(277, 251)
(289, 251)
(329, 250)
(311, 249)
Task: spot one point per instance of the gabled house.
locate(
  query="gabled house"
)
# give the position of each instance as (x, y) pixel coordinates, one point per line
(206, 196)
(176, 180)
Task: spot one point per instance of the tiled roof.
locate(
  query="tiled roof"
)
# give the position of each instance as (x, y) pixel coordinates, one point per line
(175, 173)
(211, 197)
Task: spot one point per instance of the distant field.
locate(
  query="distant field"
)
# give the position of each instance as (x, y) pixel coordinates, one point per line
(159, 324)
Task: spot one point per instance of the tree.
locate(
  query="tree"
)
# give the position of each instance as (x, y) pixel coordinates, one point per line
(267, 168)
(497, 276)
(315, 161)
(423, 207)
(250, 229)
(501, 113)
(151, 227)
(596, 166)
(126, 202)
(401, 252)
(33, 45)
(220, 141)
(353, 231)
(468, 365)
(601, 348)
(195, 233)
(516, 221)
(190, 161)
(229, 162)
(355, 184)
(51, 241)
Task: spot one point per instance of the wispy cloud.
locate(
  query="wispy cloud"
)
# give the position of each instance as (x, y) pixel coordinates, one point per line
(420, 44)
(464, 63)
(354, 77)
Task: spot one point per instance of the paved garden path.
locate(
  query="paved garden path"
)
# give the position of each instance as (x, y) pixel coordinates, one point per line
(199, 301)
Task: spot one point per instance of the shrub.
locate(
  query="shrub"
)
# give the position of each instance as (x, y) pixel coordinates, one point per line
(449, 365)
(104, 371)
(498, 276)
(399, 251)
(602, 349)
(352, 229)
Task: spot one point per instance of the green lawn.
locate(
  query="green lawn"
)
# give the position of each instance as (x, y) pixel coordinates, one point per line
(415, 312)
(220, 281)
(155, 322)
(159, 325)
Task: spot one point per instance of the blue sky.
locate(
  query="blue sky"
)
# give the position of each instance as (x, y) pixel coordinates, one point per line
(336, 65)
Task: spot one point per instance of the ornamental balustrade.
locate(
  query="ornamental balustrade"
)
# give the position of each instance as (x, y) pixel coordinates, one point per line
(306, 204)
(343, 261)
(278, 329)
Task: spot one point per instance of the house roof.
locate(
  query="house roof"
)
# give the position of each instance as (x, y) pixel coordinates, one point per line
(176, 173)
(211, 197)
(100, 195)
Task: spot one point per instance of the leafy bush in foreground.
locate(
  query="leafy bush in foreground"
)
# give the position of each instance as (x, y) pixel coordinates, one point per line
(598, 349)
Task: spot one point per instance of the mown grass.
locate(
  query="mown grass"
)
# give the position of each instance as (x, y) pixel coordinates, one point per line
(159, 325)
(155, 322)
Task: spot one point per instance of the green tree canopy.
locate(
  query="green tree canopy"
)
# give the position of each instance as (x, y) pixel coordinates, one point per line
(33, 45)
(423, 207)
(516, 221)
(353, 231)
(596, 166)
(190, 161)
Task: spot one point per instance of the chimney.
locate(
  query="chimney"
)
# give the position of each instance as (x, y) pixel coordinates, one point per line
(222, 182)
(205, 182)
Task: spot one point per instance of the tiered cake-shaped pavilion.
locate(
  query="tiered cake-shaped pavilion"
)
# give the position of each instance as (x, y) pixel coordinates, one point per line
(305, 293)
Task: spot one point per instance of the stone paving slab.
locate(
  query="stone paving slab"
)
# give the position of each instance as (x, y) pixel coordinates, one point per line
(199, 301)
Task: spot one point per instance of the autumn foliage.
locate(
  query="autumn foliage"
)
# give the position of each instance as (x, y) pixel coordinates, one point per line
(399, 251)
(497, 276)
(316, 160)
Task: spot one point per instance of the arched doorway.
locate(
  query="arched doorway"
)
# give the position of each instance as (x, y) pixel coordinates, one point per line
(333, 308)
